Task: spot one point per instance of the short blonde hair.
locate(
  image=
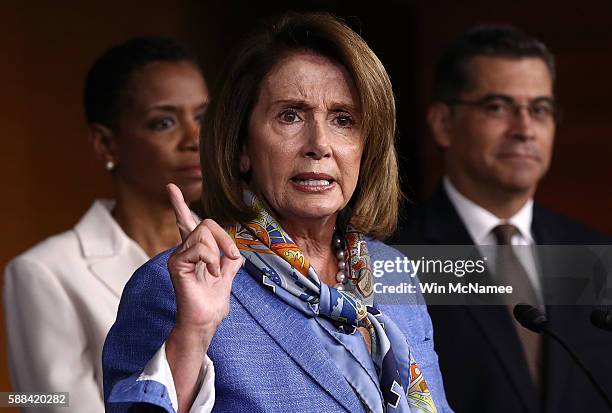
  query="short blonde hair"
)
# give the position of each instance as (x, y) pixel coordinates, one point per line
(374, 206)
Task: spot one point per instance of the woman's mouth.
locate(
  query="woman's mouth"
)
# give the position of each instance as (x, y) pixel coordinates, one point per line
(193, 171)
(312, 182)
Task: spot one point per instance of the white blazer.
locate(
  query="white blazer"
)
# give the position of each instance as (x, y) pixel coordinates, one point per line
(60, 300)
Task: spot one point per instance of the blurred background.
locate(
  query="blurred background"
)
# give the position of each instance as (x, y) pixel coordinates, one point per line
(51, 176)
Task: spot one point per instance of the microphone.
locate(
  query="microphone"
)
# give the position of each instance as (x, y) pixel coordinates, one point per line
(534, 320)
(602, 319)
(530, 317)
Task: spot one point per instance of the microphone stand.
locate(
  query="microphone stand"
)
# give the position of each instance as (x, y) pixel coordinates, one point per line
(573, 355)
(532, 319)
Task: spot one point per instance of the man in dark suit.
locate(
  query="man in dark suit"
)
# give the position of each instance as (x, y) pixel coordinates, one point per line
(494, 117)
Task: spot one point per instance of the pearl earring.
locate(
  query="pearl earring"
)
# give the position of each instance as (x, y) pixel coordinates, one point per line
(110, 165)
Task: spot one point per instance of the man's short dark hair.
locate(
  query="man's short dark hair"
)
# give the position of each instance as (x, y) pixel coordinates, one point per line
(108, 77)
(451, 74)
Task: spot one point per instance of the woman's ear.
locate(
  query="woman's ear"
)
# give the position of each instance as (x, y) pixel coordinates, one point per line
(439, 119)
(104, 144)
(245, 160)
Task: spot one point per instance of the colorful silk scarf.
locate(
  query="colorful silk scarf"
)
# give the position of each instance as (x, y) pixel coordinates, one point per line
(276, 261)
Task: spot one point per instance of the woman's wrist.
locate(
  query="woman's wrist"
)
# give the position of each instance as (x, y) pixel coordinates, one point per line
(190, 341)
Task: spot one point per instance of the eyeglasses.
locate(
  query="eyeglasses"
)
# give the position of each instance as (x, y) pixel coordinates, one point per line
(502, 107)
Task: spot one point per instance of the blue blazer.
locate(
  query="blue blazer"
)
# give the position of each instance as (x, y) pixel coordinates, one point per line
(266, 357)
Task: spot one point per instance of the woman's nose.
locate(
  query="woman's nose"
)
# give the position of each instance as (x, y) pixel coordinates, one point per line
(318, 143)
(191, 136)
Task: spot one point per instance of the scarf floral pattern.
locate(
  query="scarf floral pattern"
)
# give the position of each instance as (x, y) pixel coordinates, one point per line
(277, 262)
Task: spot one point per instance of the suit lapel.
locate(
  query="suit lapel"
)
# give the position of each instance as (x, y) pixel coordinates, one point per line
(443, 226)
(112, 256)
(115, 271)
(497, 327)
(556, 362)
(290, 330)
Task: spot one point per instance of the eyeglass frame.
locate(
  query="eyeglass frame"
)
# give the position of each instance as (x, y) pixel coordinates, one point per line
(512, 104)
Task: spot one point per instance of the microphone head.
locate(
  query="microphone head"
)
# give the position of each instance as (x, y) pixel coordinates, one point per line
(602, 319)
(530, 317)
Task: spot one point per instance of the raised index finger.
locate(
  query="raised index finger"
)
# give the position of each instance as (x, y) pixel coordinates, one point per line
(184, 219)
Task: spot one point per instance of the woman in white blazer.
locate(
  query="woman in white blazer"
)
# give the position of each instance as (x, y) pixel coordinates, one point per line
(144, 101)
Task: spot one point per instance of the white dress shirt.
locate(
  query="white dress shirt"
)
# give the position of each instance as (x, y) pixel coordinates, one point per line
(158, 369)
(480, 223)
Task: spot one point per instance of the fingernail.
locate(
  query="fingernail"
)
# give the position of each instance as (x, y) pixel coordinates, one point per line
(235, 251)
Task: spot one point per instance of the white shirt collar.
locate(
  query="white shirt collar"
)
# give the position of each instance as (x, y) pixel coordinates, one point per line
(480, 222)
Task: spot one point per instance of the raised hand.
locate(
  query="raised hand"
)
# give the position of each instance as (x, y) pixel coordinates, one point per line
(202, 270)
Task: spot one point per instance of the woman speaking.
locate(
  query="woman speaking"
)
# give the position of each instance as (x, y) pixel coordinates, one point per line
(267, 305)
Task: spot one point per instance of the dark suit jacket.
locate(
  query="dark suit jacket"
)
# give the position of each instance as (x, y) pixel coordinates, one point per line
(481, 358)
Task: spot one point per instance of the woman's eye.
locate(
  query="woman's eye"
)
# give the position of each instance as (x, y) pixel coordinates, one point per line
(289, 116)
(344, 121)
(161, 124)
